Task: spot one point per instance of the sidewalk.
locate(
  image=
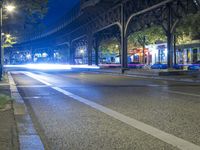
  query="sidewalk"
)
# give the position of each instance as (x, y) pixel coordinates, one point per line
(172, 75)
(8, 130)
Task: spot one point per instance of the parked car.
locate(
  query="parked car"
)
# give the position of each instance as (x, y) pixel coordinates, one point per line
(136, 65)
(194, 66)
(159, 66)
(178, 66)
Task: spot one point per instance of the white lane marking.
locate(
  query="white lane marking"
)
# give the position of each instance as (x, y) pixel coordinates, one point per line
(166, 137)
(183, 93)
(37, 77)
(33, 97)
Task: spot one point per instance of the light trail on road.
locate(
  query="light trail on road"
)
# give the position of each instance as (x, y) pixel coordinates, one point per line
(48, 66)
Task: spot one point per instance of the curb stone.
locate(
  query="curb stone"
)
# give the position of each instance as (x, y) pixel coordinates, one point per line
(28, 136)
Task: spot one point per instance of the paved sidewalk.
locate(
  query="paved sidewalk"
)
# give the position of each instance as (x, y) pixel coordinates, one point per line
(8, 130)
(182, 76)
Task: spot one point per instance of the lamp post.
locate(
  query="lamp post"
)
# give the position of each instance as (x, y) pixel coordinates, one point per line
(1, 52)
(9, 8)
(82, 54)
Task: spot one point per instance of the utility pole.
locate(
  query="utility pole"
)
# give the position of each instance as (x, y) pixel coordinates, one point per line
(9, 8)
(1, 51)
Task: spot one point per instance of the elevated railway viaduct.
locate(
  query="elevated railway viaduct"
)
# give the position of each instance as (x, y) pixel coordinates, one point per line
(94, 20)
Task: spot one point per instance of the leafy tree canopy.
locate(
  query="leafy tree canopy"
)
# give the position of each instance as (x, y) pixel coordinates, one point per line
(110, 47)
(188, 29)
(34, 10)
(27, 16)
(147, 36)
(8, 41)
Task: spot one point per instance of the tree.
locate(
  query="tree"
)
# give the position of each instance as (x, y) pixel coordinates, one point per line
(147, 36)
(188, 29)
(8, 41)
(27, 17)
(34, 11)
(110, 47)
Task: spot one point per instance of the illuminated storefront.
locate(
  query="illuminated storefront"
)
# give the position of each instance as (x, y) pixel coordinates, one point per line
(188, 53)
(81, 56)
(139, 55)
(156, 53)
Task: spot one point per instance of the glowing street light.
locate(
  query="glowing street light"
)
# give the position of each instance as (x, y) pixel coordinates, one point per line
(82, 51)
(10, 8)
(8, 35)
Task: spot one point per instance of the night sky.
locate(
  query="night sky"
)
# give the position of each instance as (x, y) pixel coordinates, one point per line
(57, 8)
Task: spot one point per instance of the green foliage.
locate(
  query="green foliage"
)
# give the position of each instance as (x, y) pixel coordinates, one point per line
(27, 16)
(183, 38)
(188, 29)
(9, 41)
(147, 36)
(110, 46)
(35, 10)
(4, 100)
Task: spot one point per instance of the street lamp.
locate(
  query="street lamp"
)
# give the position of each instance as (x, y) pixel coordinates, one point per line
(8, 35)
(82, 51)
(9, 8)
(82, 54)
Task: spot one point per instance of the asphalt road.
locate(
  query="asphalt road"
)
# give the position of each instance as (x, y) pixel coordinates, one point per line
(85, 111)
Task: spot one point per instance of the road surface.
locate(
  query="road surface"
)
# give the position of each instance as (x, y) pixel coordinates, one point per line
(87, 111)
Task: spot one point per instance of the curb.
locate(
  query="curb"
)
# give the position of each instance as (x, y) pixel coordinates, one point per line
(28, 136)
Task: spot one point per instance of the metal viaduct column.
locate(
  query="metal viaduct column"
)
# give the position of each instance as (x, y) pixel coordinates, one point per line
(170, 37)
(96, 48)
(123, 40)
(67, 52)
(89, 47)
(169, 28)
(71, 53)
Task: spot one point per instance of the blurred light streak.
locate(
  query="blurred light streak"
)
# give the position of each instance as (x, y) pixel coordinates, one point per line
(51, 66)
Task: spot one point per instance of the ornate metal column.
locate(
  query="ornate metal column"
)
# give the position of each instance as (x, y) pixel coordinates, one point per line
(71, 53)
(96, 48)
(175, 62)
(90, 47)
(67, 51)
(123, 40)
(170, 36)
